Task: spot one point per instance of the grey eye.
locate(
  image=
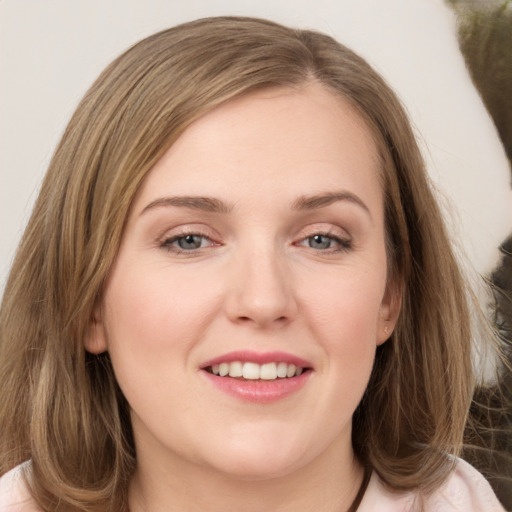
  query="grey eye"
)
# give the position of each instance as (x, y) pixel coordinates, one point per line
(189, 242)
(320, 242)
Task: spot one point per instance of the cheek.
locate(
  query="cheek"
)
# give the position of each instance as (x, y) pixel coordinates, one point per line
(152, 321)
(349, 302)
(343, 313)
(156, 309)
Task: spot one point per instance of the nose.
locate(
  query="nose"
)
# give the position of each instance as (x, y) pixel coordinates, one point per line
(261, 290)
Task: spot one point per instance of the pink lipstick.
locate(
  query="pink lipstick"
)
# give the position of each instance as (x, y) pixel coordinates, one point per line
(258, 377)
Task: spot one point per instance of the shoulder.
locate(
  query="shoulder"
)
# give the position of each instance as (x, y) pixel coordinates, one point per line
(465, 490)
(14, 494)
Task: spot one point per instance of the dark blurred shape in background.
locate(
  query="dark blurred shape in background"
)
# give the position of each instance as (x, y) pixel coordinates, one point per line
(485, 39)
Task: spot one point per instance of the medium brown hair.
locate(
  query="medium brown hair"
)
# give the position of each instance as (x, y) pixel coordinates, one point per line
(61, 408)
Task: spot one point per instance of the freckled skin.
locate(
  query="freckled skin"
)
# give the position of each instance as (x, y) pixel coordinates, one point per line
(258, 281)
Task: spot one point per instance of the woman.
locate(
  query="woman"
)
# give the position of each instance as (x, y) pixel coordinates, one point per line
(236, 291)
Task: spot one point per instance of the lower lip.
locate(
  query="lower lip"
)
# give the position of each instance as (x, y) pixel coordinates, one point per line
(259, 391)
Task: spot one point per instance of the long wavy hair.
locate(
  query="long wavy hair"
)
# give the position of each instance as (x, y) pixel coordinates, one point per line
(60, 407)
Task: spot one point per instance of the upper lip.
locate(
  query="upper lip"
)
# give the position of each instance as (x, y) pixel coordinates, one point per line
(258, 358)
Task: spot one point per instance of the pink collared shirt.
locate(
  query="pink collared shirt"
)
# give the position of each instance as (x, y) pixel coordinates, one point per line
(465, 490)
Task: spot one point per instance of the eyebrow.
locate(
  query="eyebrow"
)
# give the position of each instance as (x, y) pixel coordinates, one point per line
(214, 205)
(205, 204)
(322, 200)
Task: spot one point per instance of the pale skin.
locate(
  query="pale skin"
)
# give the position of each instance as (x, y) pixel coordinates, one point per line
(286, 253)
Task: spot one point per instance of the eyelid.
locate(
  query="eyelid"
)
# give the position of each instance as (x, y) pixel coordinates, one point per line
(340, 236)
(174, 234)
(186, 235)
(326, 229)
(187, 229)
(342, 243)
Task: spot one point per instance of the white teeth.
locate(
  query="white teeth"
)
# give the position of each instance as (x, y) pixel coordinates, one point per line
(251, 371)
(223, 369)
(235, 369)
(254, 371)
(268, 371)
(282, 369)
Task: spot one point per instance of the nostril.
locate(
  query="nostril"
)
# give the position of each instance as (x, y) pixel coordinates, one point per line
(278, 320)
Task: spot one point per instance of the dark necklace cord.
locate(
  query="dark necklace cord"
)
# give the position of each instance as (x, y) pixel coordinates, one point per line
(364, 485)
(360, 493)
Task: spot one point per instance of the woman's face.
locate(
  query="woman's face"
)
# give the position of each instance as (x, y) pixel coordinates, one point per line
(255, 246)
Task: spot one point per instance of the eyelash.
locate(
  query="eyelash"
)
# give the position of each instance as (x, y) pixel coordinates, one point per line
(168, 243)
(341, 244)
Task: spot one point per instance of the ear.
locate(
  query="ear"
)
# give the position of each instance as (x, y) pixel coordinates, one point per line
(389, 310)
(95, 338)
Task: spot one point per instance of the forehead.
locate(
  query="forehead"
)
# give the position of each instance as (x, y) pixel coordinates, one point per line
(289, 139)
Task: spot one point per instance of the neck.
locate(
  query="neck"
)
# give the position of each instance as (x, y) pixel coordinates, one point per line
(329, 483)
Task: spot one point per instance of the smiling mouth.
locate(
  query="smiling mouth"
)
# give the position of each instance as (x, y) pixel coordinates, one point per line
(253, 371)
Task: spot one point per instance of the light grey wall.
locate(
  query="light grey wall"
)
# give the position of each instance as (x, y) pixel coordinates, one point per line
(50, 52)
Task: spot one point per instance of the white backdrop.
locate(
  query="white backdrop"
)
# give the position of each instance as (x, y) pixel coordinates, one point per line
(51, 51)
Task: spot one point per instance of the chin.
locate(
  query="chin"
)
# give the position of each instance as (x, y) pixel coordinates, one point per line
(258, 468)
(259, 460)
